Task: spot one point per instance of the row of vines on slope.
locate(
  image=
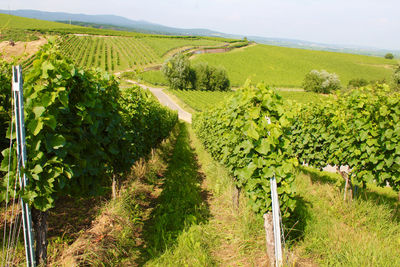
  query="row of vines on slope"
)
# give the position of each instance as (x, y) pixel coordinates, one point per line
(360, 129)
(80, 130)
(239, 135)
(110, 53)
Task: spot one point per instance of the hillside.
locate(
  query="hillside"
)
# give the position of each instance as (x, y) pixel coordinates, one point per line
(132, 25)
(15, 23)
(113, 22)
(121, 53)
(286, 67)
(105, 48)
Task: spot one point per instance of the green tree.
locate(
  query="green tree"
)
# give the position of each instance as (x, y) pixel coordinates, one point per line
(389, 56)
(321, 82)
(177, 71)
(210, 78)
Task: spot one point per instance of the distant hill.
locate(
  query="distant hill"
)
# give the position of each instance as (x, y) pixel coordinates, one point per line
(369, 51)
(114, 22)
(110, 20)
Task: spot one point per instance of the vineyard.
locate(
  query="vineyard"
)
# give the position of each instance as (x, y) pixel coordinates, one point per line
(82, 133)
(119, 181)
(286, 67)
(109, 53)
(359, 129)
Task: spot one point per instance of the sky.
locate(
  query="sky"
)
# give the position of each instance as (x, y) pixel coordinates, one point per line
(370, 23)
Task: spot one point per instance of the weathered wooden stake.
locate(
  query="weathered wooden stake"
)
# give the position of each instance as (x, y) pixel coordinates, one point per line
(269, 236)
(114, 187)
(236, 197)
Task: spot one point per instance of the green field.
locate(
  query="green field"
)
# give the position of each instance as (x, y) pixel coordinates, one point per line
(153, 77)
(286, 67)
(203, 100)
(14, 22)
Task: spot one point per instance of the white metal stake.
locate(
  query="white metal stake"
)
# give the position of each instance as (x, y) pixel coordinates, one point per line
(276, 217)
(276, 222)
(21, 156)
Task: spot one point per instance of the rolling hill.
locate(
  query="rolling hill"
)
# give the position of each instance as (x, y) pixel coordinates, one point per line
(132, 25)
(286, 67)
(121, 23)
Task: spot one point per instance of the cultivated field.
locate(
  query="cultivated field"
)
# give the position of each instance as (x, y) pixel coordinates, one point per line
(120, 53)
(286, 67)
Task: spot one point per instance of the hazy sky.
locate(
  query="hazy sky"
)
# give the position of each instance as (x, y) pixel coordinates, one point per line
(374, 23)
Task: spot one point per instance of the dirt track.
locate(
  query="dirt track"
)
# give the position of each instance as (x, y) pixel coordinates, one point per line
(167, 101)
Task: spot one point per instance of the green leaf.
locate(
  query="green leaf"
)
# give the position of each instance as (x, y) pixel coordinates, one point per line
(4, 162)
(246, 172)
(37, 169)
(254, 112)
(57, 141)
(35, 126)
(252, 132)
(268, 172)
(38, 111)
(264, 147)
(46, 66)
(28, 196)
(50, 121)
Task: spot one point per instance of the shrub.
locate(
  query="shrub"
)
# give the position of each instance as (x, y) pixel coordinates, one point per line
(177, 71)
(210, 78)
(396, 78)
(389, 56)
(321, 82)
(357, 83)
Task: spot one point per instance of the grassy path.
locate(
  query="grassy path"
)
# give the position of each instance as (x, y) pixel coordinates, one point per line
(194, 222)
(182, 204)
(175, 209)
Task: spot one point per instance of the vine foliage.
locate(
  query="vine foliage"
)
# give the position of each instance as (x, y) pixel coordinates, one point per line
(239, 135)
(80, 129)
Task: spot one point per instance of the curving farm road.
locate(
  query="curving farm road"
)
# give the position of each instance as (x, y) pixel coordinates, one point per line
(166, 101)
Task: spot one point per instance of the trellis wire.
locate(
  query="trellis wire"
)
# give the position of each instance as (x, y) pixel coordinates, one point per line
(20, 177)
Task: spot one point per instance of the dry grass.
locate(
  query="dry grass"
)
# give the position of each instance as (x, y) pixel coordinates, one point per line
(20, 49)
(114, 237)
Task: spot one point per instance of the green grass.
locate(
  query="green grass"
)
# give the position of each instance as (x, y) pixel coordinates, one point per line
(364, 232)
(154, 77)
(203, 100)
(17, 35)
(15, 22)
(302, 96)
(286, 67)
(44, 26)
(179, 209)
